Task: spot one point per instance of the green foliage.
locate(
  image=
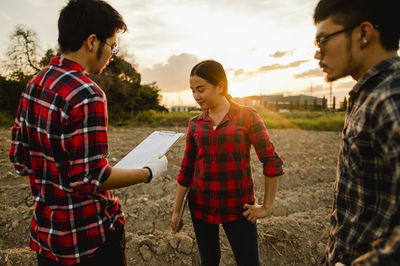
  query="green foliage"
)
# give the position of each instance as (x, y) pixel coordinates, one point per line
(318, 121)
(161, 119)
(324, 103)
(47, 57)
(334, 103)
(120, 80)
(297, 104)
(6, 120)
(343, 105)
(125, 95)
(10, 92)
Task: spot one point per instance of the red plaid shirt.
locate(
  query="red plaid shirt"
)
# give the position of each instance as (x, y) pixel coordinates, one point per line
(217, 166)
(60, 140)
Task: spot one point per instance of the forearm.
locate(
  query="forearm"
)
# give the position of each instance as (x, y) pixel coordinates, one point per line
(180, 193)
(270, 189)
(120, 178)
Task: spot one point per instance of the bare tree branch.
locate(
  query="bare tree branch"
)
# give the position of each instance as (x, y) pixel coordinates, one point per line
(23, 51)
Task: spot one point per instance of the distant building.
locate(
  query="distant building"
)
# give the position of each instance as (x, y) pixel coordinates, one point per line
(280, 102)
(264, 100)
(183, 108)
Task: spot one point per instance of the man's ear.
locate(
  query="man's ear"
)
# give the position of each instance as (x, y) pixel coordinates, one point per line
(90, 42)
(367, 34)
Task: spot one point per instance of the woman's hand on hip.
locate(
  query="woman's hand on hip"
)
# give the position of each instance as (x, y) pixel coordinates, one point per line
(255, 211)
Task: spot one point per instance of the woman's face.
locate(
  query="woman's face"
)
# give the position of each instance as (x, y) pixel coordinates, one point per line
(205, 94)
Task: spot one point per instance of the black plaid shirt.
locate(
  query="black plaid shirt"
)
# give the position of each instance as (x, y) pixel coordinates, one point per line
(365, 223)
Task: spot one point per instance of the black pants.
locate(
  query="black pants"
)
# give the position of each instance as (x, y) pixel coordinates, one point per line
(242, 236)
(112, 253)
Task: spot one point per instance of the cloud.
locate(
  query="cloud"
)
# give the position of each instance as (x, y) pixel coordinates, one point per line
(240, 73)
(279, 54)
(316, 72)
(172, 76)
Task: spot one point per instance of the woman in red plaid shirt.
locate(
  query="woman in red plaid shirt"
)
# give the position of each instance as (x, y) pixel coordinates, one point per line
(216, 167)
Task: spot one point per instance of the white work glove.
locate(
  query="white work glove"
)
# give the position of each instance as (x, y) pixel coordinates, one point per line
(156, 165)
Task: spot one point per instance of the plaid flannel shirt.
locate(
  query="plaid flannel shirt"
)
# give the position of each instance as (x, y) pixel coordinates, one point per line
(60, 140)
(216, 163)
(365, 223)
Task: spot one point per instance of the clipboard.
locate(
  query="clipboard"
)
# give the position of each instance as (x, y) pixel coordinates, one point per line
(182, 210)
(157, 142)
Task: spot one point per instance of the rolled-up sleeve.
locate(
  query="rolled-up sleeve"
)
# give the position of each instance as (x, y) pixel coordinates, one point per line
(258, 135)
(185, 176)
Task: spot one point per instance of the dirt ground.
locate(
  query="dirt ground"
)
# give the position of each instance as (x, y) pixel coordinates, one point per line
(294, 234)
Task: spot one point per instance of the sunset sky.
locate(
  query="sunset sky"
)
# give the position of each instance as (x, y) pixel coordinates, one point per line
(266, 46)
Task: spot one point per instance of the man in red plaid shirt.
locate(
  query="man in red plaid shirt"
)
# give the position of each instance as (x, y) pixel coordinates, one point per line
(60, 143)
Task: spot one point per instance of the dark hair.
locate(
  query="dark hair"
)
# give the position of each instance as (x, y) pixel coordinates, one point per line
(80, 18)
(212, 72)
(382, 14)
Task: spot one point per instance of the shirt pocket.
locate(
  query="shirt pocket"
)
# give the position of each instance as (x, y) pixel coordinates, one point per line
(356, 148)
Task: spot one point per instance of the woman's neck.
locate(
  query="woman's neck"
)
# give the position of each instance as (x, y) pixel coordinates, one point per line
(221, 108)
(218, 112)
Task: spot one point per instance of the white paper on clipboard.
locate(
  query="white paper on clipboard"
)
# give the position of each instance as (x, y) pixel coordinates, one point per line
(157, 142)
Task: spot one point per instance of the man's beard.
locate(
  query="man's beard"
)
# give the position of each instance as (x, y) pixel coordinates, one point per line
(349, 64)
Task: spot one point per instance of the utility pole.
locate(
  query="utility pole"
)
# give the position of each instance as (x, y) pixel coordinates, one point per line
(311, 89)
(330, 94)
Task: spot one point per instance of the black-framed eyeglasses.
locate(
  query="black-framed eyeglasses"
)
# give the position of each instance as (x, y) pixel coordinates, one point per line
(114, 50)
(321, 41)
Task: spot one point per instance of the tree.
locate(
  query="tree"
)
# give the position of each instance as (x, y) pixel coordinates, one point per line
(23, 51)
(126, 96)
(305, 105)
(10, 91)
(47, 57)
(343, 106)
(150, 98)
(324, 103)
(297, 104)
(291, 106)
(314, 106)
(124, 70)
(120, 80)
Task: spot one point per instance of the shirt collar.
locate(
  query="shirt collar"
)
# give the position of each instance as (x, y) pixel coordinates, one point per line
(392, 62)
(67, 64)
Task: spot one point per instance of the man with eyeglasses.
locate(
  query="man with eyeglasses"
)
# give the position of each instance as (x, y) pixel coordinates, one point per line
(360, 38)
(60, 143)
